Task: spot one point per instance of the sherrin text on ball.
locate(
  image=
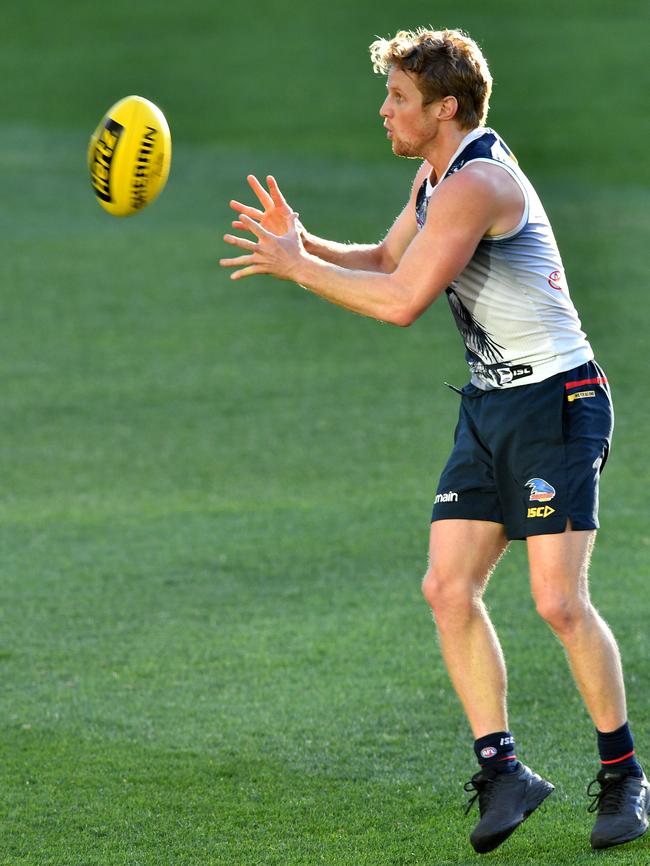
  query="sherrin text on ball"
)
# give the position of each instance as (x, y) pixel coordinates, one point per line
(129, 156)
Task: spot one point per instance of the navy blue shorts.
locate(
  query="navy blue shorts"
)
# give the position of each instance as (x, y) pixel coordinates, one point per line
(530, 457)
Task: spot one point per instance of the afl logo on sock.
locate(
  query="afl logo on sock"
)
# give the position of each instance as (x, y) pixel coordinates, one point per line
(488, 752)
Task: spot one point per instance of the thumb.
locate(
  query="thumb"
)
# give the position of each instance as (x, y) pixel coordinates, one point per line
(295, 228)
(293, 221)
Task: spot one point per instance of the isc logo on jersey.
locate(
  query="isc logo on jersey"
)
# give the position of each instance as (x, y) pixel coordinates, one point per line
(129, 156)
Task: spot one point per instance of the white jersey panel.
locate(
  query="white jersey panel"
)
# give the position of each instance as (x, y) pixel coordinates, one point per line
(511, 303)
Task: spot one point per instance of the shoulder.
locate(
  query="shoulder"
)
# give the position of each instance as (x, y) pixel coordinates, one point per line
(485, 192)
(486, 176)
(469, 203)
(475, 179)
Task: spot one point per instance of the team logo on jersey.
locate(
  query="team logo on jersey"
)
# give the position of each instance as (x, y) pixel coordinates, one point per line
(556, 280)
(540, 490)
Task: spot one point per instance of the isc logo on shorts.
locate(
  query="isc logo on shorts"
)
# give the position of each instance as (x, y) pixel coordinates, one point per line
(540, 511)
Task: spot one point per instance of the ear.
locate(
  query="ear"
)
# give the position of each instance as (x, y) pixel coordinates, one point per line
(447, 108)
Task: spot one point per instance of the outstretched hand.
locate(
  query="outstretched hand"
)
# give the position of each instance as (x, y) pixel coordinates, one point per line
(274, 254)
(277, 215)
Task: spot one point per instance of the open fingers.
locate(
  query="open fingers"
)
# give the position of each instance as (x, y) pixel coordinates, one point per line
(251, 266)
(237, 261)
(242, 243)
(255, 228)
(265, 199)
(253, 212)
(274, 189)
(247, 272)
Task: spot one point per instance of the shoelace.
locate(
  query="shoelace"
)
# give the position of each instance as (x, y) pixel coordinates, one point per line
(483, 789)
(609, 799)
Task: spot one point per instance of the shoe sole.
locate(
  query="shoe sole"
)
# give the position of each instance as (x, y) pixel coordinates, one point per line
(484, 846)
(598, 845)
(610, 843)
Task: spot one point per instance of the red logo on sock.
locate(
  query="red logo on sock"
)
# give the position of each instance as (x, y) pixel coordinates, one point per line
(488, 752)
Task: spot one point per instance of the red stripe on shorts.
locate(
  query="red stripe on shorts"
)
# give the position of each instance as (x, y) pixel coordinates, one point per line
(601, 380)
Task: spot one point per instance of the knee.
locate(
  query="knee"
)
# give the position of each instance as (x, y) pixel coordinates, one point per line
(448, 597)
(562, 612)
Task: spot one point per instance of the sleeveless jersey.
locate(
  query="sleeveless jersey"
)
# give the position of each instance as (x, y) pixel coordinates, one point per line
(511, 302)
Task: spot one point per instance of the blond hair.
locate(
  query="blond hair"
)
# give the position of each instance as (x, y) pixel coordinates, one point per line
(444, 63)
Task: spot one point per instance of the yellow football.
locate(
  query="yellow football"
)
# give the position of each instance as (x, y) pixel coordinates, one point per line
(129, 156)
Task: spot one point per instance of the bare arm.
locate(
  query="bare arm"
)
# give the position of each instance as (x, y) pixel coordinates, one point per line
(382, 257)
(365, 257)
(461, 211)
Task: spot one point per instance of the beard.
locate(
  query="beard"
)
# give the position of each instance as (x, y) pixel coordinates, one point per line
(407, 149)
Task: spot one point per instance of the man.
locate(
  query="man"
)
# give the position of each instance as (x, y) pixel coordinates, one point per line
(535, 421)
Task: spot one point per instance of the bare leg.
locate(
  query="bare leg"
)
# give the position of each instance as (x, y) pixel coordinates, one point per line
(559, 567)
(462, 555)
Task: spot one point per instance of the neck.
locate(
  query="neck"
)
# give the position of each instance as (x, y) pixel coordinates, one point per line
(439, 152)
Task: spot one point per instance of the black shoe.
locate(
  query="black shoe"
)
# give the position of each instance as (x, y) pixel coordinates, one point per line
(623, 803)
(505, 800)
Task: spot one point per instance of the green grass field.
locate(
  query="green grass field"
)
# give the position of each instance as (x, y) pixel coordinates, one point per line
(215, 496)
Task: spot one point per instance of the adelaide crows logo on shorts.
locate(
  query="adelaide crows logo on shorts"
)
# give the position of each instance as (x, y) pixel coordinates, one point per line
(540, 490)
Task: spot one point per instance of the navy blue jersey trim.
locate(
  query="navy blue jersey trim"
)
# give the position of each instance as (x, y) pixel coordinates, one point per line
(480, 148)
